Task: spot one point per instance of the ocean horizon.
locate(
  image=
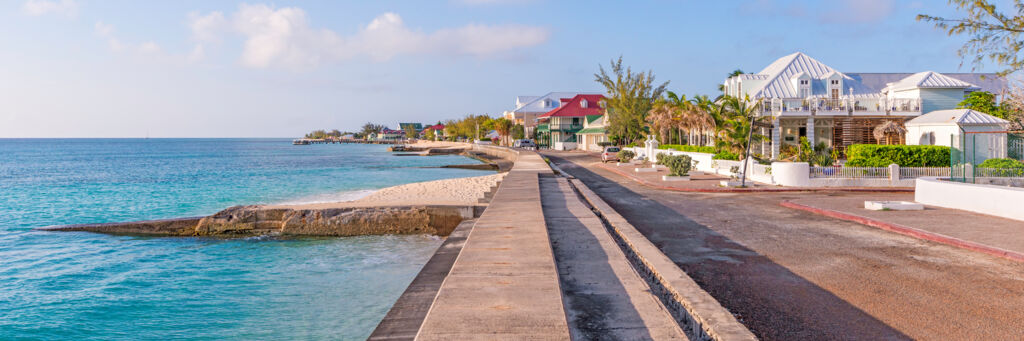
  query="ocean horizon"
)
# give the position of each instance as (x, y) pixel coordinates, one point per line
(86, 286)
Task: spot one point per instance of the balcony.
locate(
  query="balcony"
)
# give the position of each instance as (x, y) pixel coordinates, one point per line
(567, 127)
(842, 106)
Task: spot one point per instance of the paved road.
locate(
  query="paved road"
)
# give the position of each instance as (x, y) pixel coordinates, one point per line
(793, 275)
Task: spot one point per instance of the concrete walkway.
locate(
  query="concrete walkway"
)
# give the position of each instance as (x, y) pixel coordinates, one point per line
(997, 236)
(504, 284)
(605, 298)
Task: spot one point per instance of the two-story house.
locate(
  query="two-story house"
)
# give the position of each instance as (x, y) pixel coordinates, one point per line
(562, 126)
(528, 108)
(806, 98)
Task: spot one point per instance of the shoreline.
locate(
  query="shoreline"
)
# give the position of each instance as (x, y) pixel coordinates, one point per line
(431, 207)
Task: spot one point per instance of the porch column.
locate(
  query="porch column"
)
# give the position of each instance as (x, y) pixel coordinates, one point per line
(776, 138)
(810, 131)
(764, 142)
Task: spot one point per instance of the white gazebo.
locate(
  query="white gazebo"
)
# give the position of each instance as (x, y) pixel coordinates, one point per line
(983, 135)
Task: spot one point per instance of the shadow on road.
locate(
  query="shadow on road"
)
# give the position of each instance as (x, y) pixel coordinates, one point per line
(775, 303)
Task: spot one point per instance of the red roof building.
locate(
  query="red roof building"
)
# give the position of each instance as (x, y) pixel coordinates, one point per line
(578, 106)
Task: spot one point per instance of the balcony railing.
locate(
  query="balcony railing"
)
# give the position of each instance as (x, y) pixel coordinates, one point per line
(566, 126)
(843, 105)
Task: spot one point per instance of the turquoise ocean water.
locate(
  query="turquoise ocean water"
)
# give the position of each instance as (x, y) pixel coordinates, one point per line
(84, 286)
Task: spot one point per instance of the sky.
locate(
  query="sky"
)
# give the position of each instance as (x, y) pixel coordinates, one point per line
(190, 68)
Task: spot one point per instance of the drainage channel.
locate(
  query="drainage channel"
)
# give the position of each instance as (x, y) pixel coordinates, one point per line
(603, 296)
(696, 312)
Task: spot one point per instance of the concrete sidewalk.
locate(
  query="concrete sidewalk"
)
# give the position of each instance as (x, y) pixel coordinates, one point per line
(504, 284)
(996, 236)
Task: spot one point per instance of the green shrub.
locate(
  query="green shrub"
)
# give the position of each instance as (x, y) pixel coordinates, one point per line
(726, 155)
(1001, 163)
(690, 148)
(604, 143)
(678, 165)
(873, 155)
(625, 155)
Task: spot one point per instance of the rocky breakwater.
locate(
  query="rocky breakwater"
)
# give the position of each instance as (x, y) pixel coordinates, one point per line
(433, 207)
(242, 221)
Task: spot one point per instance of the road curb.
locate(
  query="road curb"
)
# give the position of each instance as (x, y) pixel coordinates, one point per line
(911, 232)
(754, 190)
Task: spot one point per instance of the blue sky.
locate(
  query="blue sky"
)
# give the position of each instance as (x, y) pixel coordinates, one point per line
(81, 68)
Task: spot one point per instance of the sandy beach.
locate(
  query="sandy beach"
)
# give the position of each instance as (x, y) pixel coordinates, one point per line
(458, 191)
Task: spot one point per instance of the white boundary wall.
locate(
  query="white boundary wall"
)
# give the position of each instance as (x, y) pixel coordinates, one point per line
(1000, 201)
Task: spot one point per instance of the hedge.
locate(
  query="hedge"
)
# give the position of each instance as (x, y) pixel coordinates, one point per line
(1001, 163)
(678, 165)
(873, 155)
(726, 155)
(689, 148)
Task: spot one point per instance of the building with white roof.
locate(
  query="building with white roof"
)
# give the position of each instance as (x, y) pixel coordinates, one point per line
(527, 108)
(984, 135)
(806, 98)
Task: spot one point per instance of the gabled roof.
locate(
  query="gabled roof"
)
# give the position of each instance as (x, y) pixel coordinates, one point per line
(963, 117)
(779, 72)
(536, 105)
(930, 79)
(573, 107)
(523, 100)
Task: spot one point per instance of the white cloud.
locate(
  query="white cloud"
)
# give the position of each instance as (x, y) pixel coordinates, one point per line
(284, 37)
(40, 7)
(149, 47)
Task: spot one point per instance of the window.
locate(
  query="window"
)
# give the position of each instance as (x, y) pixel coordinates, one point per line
(804, 82)
(583, 103)
(835, 82)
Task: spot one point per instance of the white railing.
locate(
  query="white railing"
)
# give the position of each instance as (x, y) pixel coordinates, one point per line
(910, 105)
(917, 172)
(838, 172)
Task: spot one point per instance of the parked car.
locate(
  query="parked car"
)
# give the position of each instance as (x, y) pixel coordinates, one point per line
(610, 154)
(524, 143)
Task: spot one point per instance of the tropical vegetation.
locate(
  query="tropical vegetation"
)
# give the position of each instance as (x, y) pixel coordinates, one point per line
(630, 96)
(678, 165)
(871, 155)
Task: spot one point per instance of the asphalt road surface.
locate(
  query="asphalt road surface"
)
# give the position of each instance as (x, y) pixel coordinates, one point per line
(793, 275)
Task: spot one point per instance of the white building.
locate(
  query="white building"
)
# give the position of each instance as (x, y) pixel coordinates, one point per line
(981, 135)
(527, 108)
(807, 98)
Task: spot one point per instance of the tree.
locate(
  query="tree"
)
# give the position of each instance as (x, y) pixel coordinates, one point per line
(630, 97)
(371, 128)
(993, 35)
(410, 131)
(661, 116)
(429, 134)
(985, 102)
(334, 133)
(518, 132)
(735, 130)
(504, 128)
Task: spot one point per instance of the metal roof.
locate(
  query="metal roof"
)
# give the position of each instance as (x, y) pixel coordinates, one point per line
(963, 117)
(537, 104)
(930, 79)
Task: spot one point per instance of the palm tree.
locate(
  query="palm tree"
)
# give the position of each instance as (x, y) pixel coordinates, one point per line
(660, 116)
(735, 134)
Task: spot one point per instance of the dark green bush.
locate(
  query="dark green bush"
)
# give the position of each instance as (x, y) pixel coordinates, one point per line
(1001, 163)
(678, 165)
(690, 148)
(604, 143)
(726, 155)
(873, 155)
(625, 155)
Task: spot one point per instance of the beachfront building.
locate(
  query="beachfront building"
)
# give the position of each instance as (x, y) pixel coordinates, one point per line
(981, 135)
(561, 126)
(594, 132)
(390, 134)
(528, 108)
(438, 130)
(806, 98)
